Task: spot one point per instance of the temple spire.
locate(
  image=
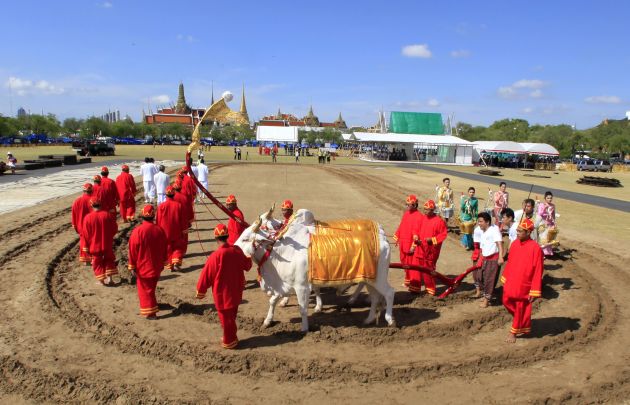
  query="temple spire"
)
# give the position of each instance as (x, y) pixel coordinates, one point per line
(212, 100)
(181, 107)
(243, 106)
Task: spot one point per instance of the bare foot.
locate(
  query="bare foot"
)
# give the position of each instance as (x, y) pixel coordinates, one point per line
(477, 293)
(484, 303)
(511, 338)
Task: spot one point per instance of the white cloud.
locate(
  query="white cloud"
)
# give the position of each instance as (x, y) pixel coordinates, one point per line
(23, 87)
(106, 4)
(433, 102)
(528, 110)
(417, 51)
(521, 89)
(161, 99)
(603, 100)
(529, 84)
(187, 38)
(460, 53)
(506, 92)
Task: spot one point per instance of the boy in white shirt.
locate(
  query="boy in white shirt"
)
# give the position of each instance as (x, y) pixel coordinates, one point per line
(148, 171)
(490, 248)
(202, 176)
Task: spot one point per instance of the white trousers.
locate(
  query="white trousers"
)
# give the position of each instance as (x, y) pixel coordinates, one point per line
(149, 190)
(200, 193)
(161, 198)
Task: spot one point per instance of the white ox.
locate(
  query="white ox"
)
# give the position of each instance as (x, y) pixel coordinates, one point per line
(286, 268)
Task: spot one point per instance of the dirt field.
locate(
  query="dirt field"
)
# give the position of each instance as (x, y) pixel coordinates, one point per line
(65, 339)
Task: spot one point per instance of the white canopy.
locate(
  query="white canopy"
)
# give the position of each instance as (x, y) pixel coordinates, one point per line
(276, 134)
(405, 138)
(540, 149)
(500, 146)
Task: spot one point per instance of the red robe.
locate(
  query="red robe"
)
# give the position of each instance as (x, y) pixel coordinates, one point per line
(96, 191)
(80, 208)
(126, 188)
(189, 189)
(109, 196)
(430, 232)
(404, 238)
(147, 254)
(522, 279)
(223, 273)
(170, 218)
(235, 229)
(99, 230)
(188, 213)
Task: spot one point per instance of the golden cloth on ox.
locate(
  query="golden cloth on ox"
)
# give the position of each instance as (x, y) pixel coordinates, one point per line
(343, 251)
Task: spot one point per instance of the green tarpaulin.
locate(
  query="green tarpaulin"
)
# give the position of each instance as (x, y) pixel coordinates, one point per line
(416, 123)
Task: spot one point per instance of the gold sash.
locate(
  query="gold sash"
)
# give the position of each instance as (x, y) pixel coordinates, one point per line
(343, 251)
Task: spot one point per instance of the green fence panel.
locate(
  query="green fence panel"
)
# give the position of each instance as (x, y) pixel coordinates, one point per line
(416, 123)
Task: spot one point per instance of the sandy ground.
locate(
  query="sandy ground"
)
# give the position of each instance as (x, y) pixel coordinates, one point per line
(65, 339)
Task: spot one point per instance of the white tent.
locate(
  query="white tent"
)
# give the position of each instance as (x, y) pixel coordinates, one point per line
(540, 149)
(499, 147)
(445, 149)
(276, 134)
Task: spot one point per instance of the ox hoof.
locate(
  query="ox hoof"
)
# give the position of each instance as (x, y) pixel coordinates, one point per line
(369, 321)
(266, 324)
(392, 323)
(284, 302)
(317, 310)
(304, 329)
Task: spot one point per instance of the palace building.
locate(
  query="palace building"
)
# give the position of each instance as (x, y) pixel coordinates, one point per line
(183, 114)
(309, 120)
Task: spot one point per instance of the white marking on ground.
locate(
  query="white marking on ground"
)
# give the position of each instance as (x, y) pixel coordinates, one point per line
(35, 190)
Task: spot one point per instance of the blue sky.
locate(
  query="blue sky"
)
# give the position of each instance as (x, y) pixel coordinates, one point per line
(545, 61)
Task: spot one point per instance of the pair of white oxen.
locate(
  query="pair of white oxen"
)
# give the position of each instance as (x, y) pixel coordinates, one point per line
(286, 268)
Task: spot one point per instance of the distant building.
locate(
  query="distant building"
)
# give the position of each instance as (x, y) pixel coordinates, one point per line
(309, 120)
(21, 112)
(111, 116)
(183, 114)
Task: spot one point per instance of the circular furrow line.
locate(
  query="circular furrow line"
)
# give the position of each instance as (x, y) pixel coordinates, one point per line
(39, 386)
(32, 224)
(257, 364)
(23, 247)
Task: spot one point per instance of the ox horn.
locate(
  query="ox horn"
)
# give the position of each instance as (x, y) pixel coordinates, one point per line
(273, 207)
(257, 224)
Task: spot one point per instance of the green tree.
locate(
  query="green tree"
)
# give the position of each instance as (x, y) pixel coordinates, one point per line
(124, 129)
(8, 126)
(93, 127)
(72, 125)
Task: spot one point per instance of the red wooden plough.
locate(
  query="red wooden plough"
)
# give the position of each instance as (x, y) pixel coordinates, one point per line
(451, 282)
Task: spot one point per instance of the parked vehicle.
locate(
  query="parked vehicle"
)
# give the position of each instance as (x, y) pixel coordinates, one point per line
(94, 148)
(593, 165)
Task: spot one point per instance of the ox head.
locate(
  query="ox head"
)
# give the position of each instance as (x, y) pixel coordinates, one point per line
(255, 235)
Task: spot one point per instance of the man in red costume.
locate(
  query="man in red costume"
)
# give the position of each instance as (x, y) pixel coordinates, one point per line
(235, 228)
(189, 189)
(223, 273)
(428, 237)
(80, 208)
(108, 193)
(287, 212)
(99, 229)
(187, 213)
(147, 254)
(96, 187)
(126, 187)
(522, 279)
(404, 237)
(170, 217)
